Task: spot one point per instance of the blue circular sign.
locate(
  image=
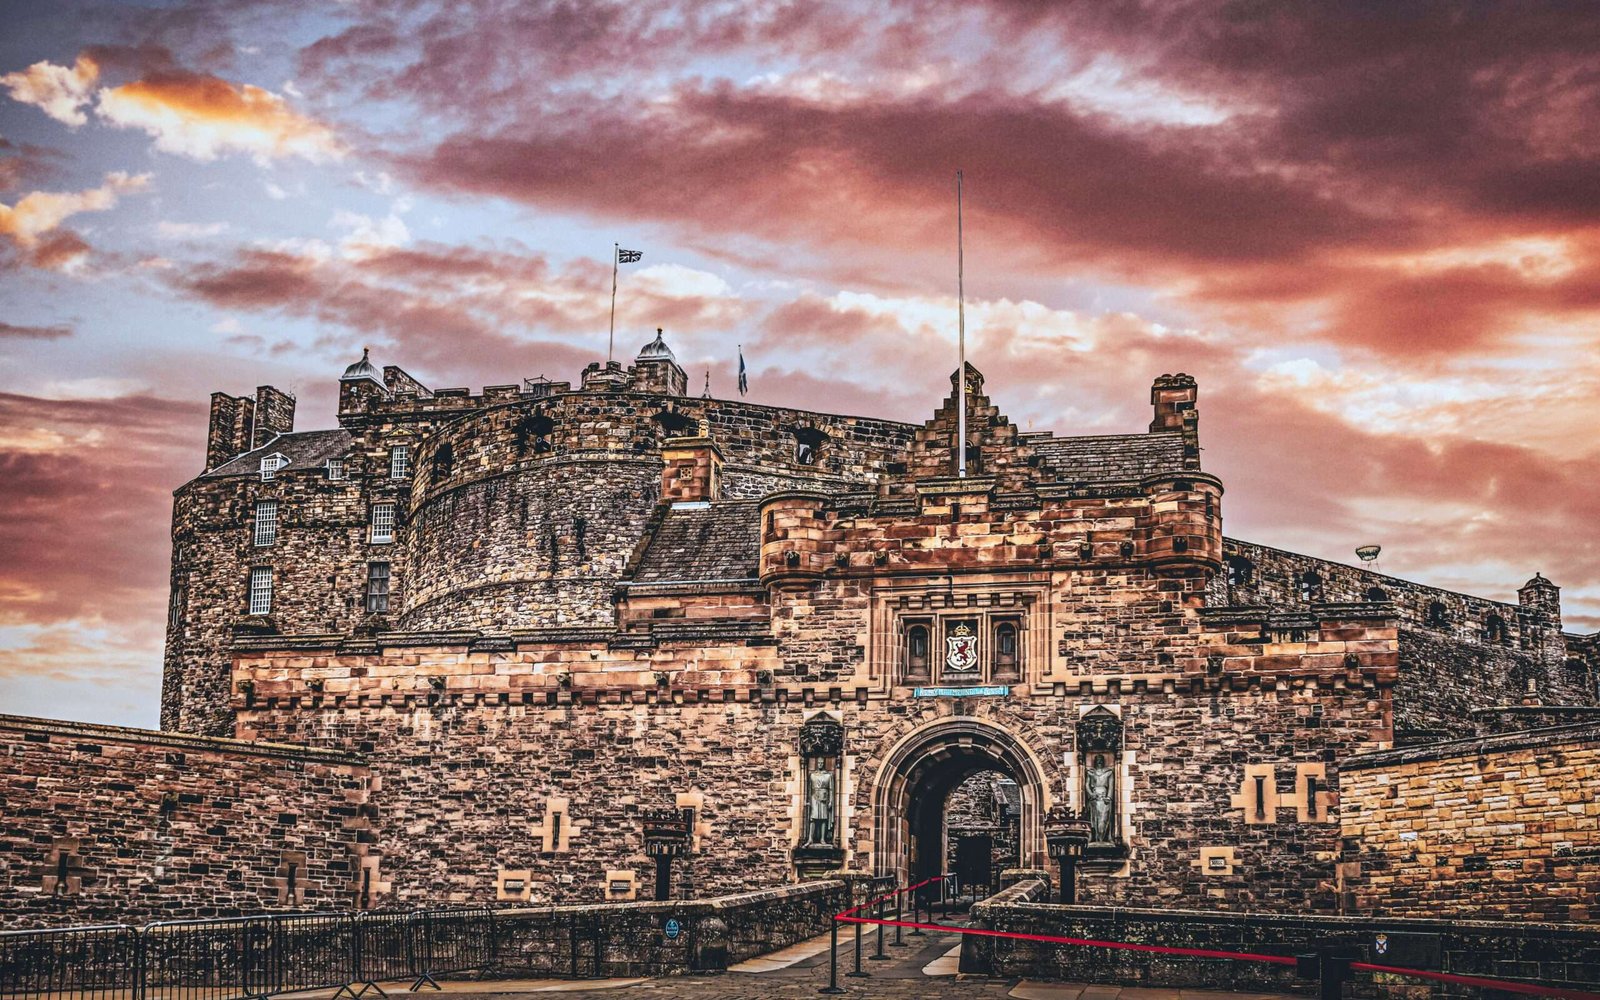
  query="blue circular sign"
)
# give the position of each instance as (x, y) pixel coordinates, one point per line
(673, 928)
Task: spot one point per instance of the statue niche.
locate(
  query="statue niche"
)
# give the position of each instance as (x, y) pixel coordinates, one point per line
(821, 756)
(1099, 749)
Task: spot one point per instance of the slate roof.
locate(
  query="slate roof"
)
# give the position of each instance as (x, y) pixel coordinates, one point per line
(1110, 457)
(306, 450)
(718, 542)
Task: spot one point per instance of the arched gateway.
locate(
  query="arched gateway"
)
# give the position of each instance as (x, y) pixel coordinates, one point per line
(917, 776)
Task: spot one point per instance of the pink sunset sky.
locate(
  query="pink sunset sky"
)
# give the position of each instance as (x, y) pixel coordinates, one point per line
(1370, 230)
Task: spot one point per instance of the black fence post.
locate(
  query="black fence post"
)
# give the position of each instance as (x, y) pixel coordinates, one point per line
(899, 902)
(858, 973)
(916, 901)
(879, 956)
(833, 959)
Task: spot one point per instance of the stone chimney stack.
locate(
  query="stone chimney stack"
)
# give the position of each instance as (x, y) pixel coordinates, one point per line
(228, 433)
(1173, 398)
(274, 414)
(693, 470)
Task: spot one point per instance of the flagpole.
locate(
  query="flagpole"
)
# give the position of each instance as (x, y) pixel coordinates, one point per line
(961, 338)
(611, 338)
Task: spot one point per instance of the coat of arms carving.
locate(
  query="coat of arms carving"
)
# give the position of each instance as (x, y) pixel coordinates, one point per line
(961, 650)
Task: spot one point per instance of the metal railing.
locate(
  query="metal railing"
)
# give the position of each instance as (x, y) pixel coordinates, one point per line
(95, 963)
(249, 958)
(253, 957)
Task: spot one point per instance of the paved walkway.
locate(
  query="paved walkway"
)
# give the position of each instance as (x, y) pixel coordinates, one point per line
(922, 967)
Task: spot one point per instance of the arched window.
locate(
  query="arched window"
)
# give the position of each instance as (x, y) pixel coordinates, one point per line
(1311, 585)
(1435, 615)
(1006, 659)
(1494, 628)
(1377, 594)
(918, 638)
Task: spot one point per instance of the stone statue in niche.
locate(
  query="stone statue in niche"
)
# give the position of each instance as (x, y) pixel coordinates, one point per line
(819, 807)
(821, 746)
(1100, 790)
(1100, 749)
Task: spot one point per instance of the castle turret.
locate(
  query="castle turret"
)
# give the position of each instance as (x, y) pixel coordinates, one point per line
(657, 370)
(360, 383)
(1539, 594)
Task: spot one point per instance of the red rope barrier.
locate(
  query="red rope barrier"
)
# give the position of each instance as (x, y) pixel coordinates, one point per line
(1534, 989)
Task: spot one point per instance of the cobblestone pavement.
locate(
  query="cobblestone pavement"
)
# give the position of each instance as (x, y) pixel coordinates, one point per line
(904, 974)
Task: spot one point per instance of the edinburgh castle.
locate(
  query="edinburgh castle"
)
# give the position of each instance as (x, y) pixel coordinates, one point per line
(460, 646)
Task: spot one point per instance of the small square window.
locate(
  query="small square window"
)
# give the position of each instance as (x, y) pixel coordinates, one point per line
(399, 461)
(383, 522)
(335, 469)
(266, 522)
(261, 590)
(270, 466)
(377, 588)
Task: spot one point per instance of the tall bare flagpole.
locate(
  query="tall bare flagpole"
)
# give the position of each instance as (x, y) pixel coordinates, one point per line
(961, 339)
(611, 339)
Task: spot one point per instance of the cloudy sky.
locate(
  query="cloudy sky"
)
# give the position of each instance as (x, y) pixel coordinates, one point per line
(1371, 231)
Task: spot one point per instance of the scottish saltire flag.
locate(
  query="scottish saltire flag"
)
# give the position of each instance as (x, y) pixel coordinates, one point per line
(744, 380)
(628, 256)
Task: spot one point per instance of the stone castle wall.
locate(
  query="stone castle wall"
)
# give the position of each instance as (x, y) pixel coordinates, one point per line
(1505, 826)
(478, 751)
(155, 826)
(1453, 665)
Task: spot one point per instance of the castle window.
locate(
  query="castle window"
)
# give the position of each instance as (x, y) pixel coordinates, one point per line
(1241, 571)
(180, 595)
(399, 461)
(270, 466)
(1005, 650)
(377, 588)
(1310, 586)
(335, 469)
(1494, 629)
(808, 442)
(918, 638)
(1435, 615)
(444, 461)
(382, 522)
(1377, 594)
(266, 522)
(533, 433)
(675, 424)
(260, 590)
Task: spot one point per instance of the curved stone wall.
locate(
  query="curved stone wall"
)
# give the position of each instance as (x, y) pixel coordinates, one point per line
(524, 515)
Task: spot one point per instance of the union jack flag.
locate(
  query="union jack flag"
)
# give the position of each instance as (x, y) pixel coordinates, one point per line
(628, 256)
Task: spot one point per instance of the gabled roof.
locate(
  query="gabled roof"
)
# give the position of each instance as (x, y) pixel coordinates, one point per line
(306, 450)
(721, 541)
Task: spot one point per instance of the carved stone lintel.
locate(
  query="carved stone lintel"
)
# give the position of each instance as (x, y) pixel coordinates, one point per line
(821, 737)
(1099, 732)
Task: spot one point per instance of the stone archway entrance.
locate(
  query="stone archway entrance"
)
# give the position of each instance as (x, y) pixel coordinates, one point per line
(916, 780)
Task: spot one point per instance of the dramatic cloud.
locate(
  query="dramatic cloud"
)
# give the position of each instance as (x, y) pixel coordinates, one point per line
(1368, 229)
(80, 480)
(36, 214)
(204, 117)
(59, 91)
(31, 225)
(34, 332)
